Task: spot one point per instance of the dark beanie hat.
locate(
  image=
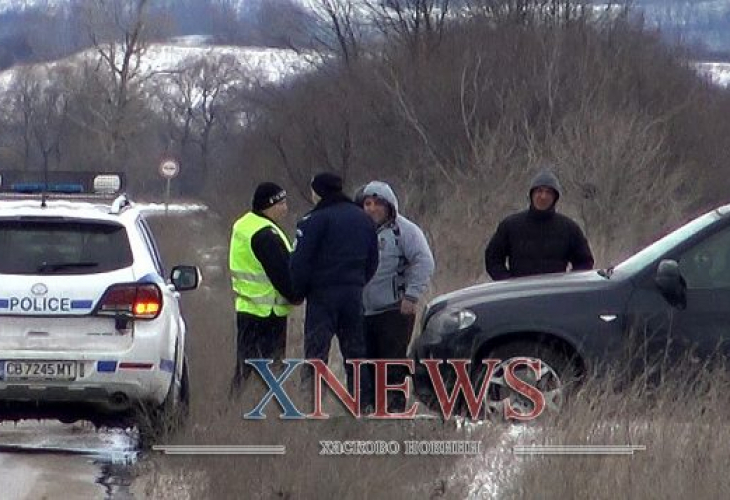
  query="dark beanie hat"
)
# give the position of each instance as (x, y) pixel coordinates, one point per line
(326, 184)
(266, 195)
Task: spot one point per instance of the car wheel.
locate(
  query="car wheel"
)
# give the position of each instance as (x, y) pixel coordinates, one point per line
(557, 375)
(156, 424)
(424, 390)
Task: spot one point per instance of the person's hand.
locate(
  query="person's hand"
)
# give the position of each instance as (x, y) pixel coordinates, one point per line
(407, 307)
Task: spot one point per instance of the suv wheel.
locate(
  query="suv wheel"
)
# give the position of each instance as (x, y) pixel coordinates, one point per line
(156, 424)
(556, 375)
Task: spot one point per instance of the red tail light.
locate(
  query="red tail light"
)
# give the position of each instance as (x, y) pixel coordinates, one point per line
(140, 301)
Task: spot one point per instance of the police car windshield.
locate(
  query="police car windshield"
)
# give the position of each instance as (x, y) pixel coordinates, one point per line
(62, 247)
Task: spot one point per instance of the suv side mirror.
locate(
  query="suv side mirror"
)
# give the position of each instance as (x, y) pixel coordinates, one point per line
(671, 283)
(185, 278)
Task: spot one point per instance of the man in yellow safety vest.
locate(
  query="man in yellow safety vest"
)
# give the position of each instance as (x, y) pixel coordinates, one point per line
(259, 266)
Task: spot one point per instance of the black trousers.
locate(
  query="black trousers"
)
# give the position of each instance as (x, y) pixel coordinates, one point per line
(336, 311)
(257, 338)
(387, 336)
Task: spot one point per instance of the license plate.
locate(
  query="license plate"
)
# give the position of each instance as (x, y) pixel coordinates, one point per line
(37, 370)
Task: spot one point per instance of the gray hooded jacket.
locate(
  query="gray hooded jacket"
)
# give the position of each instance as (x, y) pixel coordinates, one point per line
(406, 262)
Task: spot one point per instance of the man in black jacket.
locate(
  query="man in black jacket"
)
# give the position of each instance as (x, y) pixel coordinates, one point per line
(538, 240)
(335, 255)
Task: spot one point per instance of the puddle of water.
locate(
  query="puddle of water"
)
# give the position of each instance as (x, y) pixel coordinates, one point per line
(116, 479)
(50, 457)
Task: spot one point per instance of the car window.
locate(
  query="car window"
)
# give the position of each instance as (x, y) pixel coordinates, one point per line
(661, 247)
(62, 247)
(151, 245)
(707, 264)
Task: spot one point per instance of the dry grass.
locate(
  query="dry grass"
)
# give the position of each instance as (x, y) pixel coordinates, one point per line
(680, 421)
(679, 417)
(215, 419)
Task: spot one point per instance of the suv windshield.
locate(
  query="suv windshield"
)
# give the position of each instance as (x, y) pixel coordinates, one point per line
(660, 247)
(62, 247)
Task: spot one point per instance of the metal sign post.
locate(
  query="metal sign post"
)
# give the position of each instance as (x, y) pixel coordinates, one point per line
(169, 168)
(167, 195)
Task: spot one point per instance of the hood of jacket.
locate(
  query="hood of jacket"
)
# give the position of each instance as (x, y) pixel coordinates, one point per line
(546, 178)
(380, 189)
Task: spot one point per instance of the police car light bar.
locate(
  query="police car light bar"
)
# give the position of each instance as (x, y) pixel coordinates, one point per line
(60, 184)
(39, 187)
(108, 184)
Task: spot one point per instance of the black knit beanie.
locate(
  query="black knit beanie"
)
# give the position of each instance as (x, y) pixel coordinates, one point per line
(267, 194)
(327, 184)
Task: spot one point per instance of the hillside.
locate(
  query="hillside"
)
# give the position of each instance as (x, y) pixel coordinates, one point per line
(162, 59)
(705, 23)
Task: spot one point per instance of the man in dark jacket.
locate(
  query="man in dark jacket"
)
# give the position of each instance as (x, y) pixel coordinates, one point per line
(335, 255)
(259, 266)
(538, 240)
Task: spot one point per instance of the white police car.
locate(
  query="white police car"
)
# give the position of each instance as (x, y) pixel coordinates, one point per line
(89, 326)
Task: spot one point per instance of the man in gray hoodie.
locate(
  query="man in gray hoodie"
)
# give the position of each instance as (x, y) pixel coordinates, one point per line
(404, 272)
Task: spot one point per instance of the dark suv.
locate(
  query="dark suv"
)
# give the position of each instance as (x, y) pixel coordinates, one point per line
(674, 295)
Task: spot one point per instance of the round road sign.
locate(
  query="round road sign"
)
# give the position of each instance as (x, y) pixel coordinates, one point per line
(169, 168)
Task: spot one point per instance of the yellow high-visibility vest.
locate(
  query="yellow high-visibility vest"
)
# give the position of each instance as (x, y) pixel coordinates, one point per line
(255, 294)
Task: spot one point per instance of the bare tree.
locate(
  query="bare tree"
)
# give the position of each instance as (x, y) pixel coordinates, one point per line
(340, 28)
(120, 32)
(198, 99)
(39, 103)
(25, 92)
(279, 23)
(419, 24)
(616, 163)
(51, 117)
(527, 11)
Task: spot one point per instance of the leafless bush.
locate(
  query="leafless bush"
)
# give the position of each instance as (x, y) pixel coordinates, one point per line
(678, 418)
(615, 164)
(458, 131)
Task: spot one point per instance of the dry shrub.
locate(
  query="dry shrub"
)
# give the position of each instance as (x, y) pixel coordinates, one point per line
(677, 411)
(614, 163)
(459, 128)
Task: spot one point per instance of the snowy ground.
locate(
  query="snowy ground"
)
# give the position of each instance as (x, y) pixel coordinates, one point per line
(497, 466)
(174, 207)
(265, 64)
(719, 72)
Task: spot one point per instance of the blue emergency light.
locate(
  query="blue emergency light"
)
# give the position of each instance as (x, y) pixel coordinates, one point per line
(39, 187)
(58, 183)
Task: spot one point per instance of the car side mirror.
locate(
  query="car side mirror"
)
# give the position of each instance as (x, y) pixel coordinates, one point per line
(185, 278)
(671, 284)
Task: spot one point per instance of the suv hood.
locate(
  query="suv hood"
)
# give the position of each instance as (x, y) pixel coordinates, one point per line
(534, 286)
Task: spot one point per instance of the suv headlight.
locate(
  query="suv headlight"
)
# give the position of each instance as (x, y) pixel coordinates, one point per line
(451, 320)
